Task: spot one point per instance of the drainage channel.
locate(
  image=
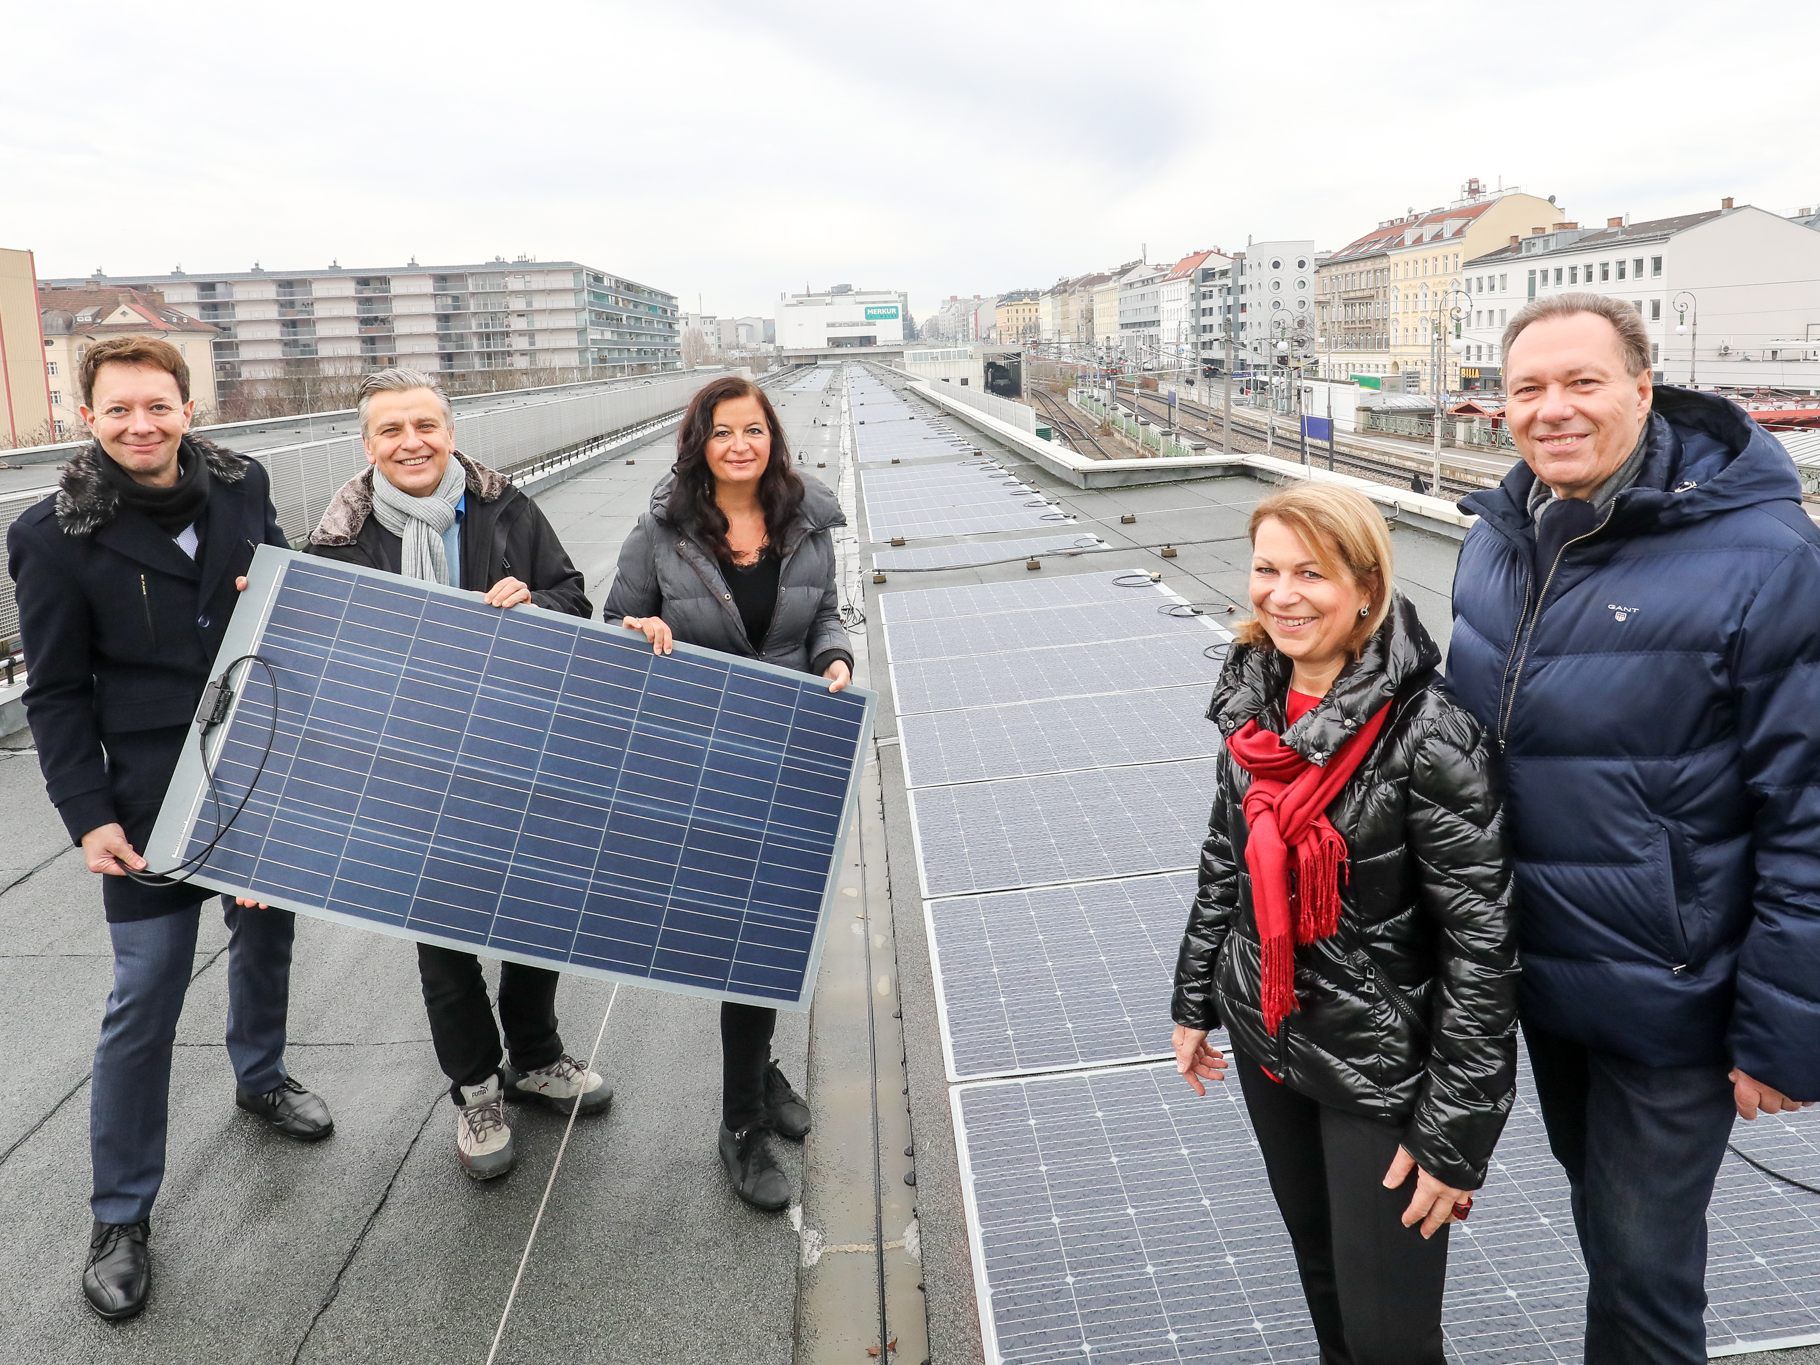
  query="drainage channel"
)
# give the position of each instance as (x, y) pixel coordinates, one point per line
(859, 1293)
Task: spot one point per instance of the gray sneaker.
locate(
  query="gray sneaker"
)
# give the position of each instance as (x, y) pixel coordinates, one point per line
(563, 1085)
(483, 1141)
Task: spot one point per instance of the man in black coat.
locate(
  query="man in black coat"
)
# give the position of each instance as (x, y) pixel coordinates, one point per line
(125, 580)
(425, 511)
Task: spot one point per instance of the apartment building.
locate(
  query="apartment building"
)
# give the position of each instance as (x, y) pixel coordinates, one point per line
(1730, 296)
(453, 320)
(1386, 298)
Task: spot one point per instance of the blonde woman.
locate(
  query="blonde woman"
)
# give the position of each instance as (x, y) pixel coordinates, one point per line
(1352, 927)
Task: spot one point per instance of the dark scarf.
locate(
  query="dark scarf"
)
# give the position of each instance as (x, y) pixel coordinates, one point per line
(170, 509)
(1285, 809)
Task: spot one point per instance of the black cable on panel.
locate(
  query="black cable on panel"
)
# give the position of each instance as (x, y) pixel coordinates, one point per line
(1770, 1171)
(217, 697)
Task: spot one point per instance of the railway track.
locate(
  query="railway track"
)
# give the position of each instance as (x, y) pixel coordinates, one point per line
(1203, 423)
(1070, 423)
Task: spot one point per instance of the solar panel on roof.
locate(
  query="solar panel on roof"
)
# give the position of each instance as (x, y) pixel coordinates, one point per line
(1063, 827)
(1060, 977)
(524, 784)
(1022, 739)
(1115, 1209)
(987, 599)
(1064, 671)
(1134, 618)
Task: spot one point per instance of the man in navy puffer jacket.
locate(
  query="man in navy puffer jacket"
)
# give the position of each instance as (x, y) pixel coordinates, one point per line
(1637, 623)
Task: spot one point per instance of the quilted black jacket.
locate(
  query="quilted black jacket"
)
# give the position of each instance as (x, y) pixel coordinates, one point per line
(1407, 1014)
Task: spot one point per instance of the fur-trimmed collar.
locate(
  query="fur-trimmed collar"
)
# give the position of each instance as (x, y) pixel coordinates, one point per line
(352, 504)
(86, 501)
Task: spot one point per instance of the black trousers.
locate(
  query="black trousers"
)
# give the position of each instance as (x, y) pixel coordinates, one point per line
(461, 1016)
(745, 1051)
(1641, 1146)
(1373, 1286)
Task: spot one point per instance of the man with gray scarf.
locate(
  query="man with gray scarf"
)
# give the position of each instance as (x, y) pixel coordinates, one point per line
(424, 510)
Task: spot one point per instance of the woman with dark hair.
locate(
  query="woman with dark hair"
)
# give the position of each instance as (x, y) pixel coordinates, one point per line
(1352, 929)
(736, 554)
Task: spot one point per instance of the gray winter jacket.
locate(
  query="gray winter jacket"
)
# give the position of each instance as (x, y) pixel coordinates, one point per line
(665, 572)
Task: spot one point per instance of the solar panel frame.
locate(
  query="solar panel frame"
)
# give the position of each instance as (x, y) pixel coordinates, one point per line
(789, 886)
(1112, 666)
(1056, 735)
(975, 554)
(1056, 978)
(1024, 832)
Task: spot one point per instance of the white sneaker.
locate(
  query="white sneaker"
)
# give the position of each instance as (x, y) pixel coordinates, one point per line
(483, 1141)
(562, 1085)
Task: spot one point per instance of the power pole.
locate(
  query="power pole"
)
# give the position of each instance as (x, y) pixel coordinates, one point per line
(1226, 388)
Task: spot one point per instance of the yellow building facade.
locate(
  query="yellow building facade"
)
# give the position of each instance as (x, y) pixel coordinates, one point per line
(1016, 316)
(25, 392)
(1381, 299)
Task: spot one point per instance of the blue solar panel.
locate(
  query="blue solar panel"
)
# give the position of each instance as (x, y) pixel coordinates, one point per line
(524, 784)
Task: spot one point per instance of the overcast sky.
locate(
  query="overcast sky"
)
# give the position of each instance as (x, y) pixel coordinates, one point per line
(730, 151)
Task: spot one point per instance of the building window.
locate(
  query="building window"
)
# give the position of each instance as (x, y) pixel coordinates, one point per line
(1557, 274)
(1638, 305)
(1637, 265)
(1604, 272)
(50, 368)
(1655, 353)
(1655, 310)
(1620, 269)
(56, 398)
(1573, 274)
(1655, 267)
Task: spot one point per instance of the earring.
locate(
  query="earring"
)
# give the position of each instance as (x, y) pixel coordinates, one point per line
(1365, 610)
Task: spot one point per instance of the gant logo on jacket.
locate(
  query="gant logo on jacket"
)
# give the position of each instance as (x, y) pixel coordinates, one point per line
(1619, 613)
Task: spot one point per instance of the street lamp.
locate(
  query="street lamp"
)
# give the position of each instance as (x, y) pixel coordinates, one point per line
(1450, 306)
(1685, 306)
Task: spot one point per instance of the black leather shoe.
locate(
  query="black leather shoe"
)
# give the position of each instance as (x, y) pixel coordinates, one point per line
(292, 1110)
(787, 1111)
(119, 1269)
(755, 1174)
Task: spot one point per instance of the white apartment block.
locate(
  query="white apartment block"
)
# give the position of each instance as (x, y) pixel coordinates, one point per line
(1140, 313)
(1730, 296)
(1262, 294)
(450, 320)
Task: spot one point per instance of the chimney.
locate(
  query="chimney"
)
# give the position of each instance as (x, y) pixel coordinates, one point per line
(1565, 227)
(1538, 232)
(1617, 222)
(1514, 239)
(1726, 202)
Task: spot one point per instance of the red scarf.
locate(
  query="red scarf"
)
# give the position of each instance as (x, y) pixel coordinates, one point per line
(1286, 811)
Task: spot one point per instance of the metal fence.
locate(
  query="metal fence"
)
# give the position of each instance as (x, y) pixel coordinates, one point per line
(1006, 410)
(523, 431)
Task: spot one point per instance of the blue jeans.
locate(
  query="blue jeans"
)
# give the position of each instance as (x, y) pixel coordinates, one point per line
(1641, 1146)
(130, 1092)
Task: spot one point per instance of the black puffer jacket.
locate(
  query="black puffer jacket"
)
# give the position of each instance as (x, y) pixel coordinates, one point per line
(1408, 1014)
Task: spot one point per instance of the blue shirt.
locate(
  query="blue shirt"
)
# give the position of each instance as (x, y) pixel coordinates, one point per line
(451, 542)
